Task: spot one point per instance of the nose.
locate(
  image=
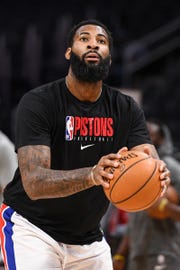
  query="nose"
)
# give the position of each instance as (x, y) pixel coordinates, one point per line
(93, 45)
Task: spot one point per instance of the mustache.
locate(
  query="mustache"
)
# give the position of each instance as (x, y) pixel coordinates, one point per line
(91, 51)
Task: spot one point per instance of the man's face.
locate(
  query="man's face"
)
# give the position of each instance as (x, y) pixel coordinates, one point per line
(89, 56)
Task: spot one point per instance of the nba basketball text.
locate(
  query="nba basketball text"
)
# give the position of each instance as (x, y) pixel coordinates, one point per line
(89, 129)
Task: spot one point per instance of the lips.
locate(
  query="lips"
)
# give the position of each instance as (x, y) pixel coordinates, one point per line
(91, 56)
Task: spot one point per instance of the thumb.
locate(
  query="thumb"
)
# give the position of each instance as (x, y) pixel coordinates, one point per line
(122, 150)
(147, 151)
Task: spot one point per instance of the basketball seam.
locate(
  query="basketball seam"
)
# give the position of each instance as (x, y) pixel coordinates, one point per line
(147, 205)
(121, 201)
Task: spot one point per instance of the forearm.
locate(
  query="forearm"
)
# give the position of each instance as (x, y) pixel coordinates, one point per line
(41, 182)
(123, 247)
(46, 183)
(119, 258)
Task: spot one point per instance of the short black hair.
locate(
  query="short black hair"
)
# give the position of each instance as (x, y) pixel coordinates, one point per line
(72, 32)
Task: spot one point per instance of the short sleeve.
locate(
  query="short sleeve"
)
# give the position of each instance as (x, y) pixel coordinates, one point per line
(32, 121)
(138, 129)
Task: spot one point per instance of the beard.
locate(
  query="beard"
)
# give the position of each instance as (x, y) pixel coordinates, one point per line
(89, 72)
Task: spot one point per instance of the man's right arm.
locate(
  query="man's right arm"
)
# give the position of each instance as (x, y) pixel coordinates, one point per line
(41, 182)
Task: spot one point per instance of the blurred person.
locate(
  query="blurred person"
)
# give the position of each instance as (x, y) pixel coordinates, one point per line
(67, 133)
(8, 165)
(153, 243)
(8, 162)
(114, 225)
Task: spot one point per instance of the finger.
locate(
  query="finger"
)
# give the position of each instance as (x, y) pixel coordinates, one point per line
(166, 181)
(165, 175)
(105, 184)
(122, 150)
(164, 190)
(101, 177)
(163, 167)
(111, 156)
(110, 161)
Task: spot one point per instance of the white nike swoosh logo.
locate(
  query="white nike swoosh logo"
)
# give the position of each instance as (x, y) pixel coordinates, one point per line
(86, 146)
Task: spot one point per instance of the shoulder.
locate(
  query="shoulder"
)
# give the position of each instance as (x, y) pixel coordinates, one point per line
(45, 89)
(117, 93)
(123, 102)
(44, 95)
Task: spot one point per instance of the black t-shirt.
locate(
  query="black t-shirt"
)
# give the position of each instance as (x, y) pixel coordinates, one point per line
(78, 134)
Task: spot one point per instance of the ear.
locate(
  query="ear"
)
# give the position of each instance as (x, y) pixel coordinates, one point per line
(68, 53)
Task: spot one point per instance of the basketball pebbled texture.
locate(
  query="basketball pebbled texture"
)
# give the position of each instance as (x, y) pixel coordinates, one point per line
(136, 183)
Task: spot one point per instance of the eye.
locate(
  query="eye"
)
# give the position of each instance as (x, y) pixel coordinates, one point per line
(84, 39)
(102, 41)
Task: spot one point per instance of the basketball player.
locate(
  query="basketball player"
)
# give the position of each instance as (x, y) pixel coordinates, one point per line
(53, 207)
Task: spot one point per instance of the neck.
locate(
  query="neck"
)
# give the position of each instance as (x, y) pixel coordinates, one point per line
(84, 91)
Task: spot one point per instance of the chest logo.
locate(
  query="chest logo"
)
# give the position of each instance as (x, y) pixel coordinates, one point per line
(86, 146)
(69, 128)
(90, 129)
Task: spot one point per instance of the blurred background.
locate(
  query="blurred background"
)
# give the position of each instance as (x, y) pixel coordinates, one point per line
(146, 56)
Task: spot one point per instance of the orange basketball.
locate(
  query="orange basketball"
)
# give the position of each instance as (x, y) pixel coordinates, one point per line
(136, 183)
(172, 196)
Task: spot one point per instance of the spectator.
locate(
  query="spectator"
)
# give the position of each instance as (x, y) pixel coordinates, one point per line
(8, 165)
(152, 243)
(8, 161)
(114, 225)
